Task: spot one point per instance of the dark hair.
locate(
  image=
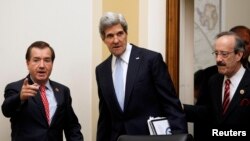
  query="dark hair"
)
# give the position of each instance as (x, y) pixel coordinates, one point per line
(239, 43)
(40, 45)
(240, 28)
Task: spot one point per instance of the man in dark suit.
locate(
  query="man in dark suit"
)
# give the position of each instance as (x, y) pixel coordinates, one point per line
(228, 114)
(40, 115)
(204, 75)
(147, 89)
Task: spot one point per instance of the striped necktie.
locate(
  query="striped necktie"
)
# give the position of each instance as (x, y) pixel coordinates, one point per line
(45, 101)
(226, 99)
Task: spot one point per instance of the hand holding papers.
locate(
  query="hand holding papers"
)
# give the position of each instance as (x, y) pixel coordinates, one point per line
(159, 126)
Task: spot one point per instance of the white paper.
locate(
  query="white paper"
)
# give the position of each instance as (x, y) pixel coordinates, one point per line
(159, 126)
(150, 126)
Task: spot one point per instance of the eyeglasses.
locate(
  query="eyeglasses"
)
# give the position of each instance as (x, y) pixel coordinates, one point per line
(224, 54)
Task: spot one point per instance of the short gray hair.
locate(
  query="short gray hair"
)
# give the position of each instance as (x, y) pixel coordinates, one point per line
(239, 43)
(109, 19)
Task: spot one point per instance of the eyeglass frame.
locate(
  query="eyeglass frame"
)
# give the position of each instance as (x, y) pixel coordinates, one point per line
(223, 54)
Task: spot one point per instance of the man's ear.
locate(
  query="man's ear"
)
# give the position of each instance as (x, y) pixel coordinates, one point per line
(239, 56)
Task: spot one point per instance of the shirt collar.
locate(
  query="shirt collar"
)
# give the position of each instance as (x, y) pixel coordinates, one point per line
(47, 84)
(125, 56)
(237, 76)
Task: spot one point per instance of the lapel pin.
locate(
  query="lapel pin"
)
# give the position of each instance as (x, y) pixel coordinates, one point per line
(57, 90)
(242, 91)
(137, 58)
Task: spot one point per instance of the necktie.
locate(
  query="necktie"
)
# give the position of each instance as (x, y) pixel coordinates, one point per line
(226, 99)
(118, 82)
(45, 102)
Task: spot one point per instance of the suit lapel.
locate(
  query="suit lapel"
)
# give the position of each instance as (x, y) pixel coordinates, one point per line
(59, 98)
(108, 84)
(133, 67)
(218, 95)
(57, 93)
(37, 99)
(244, 83)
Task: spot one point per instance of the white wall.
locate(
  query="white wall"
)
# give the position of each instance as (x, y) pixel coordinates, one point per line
(152, 25)
(67, 26)
(96, 59)
(186, 53)
(235, 13)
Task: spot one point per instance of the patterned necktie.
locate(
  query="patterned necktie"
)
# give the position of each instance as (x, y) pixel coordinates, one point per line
(118, 82)
(226, 99)
(45, 101)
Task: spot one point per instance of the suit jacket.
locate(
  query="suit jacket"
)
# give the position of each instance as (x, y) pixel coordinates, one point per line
(149, 92)
(28, 119)
(237, 115)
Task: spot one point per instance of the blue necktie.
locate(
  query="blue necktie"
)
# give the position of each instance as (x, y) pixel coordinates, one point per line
(118, 82)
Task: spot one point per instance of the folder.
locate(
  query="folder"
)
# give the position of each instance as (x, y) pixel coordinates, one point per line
(159, 126)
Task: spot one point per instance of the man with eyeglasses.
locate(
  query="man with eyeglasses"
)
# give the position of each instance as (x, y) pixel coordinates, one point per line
(226, 109)
(201, 78)
(224, 54)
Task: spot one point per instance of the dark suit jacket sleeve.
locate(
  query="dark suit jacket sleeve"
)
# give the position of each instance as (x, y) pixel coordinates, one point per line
(195, 113)
(168, 98)
(12, 102)
(200, 111)
(72, 127)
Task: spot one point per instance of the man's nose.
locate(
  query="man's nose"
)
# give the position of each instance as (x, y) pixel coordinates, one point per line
(41, 64)
(116, 39)
(218, 58)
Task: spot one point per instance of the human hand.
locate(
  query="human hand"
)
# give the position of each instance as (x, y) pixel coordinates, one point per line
(28, 90)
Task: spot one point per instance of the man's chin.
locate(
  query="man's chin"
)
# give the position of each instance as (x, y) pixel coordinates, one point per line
(221, 70)
(41, 79)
